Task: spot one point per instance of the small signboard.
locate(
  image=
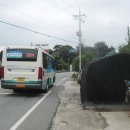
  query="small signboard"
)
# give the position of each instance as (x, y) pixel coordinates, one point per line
(14, 54)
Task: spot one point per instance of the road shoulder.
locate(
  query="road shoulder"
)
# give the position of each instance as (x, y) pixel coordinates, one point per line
(71, 116)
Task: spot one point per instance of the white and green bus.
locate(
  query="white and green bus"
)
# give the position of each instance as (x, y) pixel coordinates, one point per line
(27, 68)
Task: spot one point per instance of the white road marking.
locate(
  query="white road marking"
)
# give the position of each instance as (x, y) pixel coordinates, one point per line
(17, 124)
(5, 93)
(10, 93)
(62, 80)
(5, 90)
(21, 120)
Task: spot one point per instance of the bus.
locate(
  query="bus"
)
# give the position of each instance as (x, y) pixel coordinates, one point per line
(27, 68)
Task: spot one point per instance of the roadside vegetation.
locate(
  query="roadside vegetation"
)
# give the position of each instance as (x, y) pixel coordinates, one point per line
(125, 47)
(66, 55)
(74, 76)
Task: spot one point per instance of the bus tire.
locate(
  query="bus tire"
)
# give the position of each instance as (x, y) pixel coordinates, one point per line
(51, 85)
(54, 78)
(17, 90)
(46, 90)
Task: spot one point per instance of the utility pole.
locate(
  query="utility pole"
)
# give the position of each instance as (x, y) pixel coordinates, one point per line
(128, 35)
(79, 17)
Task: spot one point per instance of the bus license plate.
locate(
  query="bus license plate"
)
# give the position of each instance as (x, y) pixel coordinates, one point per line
(20, 86)
(20, 79)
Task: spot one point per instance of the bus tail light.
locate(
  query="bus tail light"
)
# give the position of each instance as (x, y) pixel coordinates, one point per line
(40, 73)
(2, 72)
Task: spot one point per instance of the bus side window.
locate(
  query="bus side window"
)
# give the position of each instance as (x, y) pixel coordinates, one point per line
(45, 60)
(49, 63)
(53, 64)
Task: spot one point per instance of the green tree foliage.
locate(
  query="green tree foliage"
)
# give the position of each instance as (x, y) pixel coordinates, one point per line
(90, 54)
(85, 58)
(57, 47)
(63, 56)
(75, 63)
(124, 48)
(64, 52)
(86, 48)
(50, 51)
(101, 48)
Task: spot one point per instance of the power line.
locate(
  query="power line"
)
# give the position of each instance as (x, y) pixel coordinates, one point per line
(59, 6)
(34, 18)
(36, 32)
(54, 4)
(70, 5)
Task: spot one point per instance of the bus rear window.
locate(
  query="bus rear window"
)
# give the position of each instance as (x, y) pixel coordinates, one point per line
(22, 55)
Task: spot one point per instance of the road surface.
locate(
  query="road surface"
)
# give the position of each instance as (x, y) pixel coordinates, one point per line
(30, 111)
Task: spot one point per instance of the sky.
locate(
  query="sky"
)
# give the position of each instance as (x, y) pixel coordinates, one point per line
(106, 20)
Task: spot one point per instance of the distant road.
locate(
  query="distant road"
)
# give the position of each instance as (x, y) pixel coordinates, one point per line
(29, 111)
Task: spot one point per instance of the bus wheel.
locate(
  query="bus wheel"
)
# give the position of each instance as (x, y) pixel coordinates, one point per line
(17, 90)
(51, 85)
(46, 90)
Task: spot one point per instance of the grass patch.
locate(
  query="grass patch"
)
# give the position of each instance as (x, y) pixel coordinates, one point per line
(74, 76)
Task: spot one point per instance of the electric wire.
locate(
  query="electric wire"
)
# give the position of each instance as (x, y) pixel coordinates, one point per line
(70, 5)
(36, 32)
(55, 4)
(34, 18)
(59, 6)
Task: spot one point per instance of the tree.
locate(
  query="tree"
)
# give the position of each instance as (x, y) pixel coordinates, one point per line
(124, 48)
(85, 58)
(101, 48)
(63, 56)
(90, 54)
(65, 53)
(50, 51)
(57, 47)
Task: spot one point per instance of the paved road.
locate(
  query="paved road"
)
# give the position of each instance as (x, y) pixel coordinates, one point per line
(29, 111)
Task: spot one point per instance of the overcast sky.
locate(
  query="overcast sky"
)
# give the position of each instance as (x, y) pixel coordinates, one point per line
(106, 20)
